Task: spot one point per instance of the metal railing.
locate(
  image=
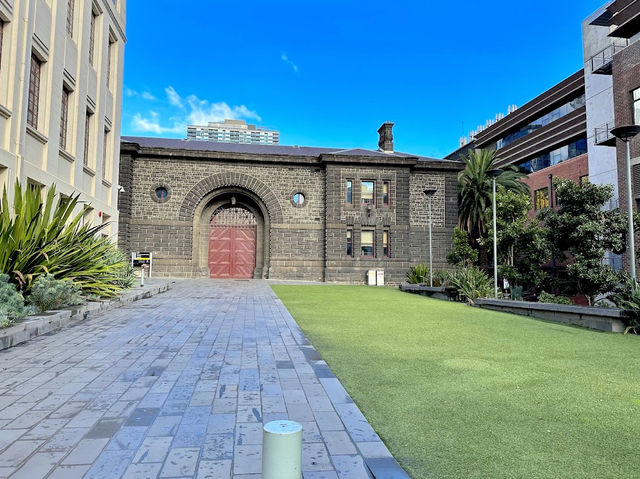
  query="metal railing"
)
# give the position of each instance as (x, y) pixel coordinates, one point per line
(603, 134)
(601, 61)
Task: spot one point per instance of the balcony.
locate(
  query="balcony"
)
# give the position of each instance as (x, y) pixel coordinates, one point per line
(603, 136)
(602, 62)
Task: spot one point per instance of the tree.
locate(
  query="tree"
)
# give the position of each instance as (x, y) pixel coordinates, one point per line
(475, 196)
(522, 244)
(463, 254)
(580, 230)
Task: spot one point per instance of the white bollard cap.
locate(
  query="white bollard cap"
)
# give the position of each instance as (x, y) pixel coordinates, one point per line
(282, 427)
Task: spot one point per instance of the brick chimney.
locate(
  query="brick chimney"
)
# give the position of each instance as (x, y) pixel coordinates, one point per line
(385, 143)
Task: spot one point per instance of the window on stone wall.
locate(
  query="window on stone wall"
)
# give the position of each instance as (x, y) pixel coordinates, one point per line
(541, 199)
(92, 37)
(385, 243)
(367, 192)
(350, 243)
(1, 38)
(385, 193)
(34, 91)
(70, 8)
(367, 243)
(87, 137)
(349, 192)
(636, 106)
(64, 118)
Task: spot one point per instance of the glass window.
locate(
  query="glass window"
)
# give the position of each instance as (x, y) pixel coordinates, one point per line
(298, 199)
(554, 157)
(636, 106)
(385, 193)
(105, 151)
(70, 5)
(366, 243)
(110, 51)
(92, 38)
(64, 118)
(541, 198)
(162, 193)
(368, 192)
(34, 91)
(349, 192)
(350, 243)
(87, 133)
(385, 243)
(1, 38)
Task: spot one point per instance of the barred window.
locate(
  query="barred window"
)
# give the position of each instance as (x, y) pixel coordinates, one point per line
(34, 91)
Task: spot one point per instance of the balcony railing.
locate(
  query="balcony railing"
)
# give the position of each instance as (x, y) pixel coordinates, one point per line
(603, 136)
(602, 61)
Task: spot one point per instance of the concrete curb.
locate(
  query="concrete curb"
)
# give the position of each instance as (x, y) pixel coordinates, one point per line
(51, 321)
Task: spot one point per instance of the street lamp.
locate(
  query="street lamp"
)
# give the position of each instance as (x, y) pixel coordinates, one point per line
(625, 133)
(493, 174)
(430, 193)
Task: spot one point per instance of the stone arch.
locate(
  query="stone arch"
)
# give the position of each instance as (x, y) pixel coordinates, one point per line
(225, 180)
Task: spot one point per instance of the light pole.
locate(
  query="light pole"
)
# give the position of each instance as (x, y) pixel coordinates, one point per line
(625, 133)
(430, 193)
(493, 174)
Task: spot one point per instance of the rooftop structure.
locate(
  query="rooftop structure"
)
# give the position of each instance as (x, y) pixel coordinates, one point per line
(233, 131)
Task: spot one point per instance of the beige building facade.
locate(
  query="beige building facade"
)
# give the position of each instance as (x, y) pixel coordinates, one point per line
(61, 65)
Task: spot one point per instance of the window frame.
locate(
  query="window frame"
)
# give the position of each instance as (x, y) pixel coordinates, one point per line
(33, 98)
(349, 238)
(105, 151)
(112, 40)
(386, 195)
(349, 196)
(373, 243)
(70, 17)
(635, 105)
(373, 193)
(92, 38)
(2, 25)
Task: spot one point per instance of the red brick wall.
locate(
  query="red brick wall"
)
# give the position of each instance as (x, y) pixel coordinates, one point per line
(571, 169)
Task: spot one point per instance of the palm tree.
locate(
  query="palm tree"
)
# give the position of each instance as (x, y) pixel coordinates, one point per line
(475, 195)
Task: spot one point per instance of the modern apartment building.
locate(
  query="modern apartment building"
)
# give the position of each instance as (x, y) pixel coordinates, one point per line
(545, 137)
(61, 64)
(233, 131)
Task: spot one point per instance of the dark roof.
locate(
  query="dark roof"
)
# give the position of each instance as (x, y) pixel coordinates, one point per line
(311, 151)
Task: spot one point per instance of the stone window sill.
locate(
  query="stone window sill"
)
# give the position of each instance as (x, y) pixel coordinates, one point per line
(37, 135)
(5, 112)
(106, 183)
(67, 156)
(89, 171)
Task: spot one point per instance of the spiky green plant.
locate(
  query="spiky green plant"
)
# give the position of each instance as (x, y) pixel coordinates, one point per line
(471, 283)
(41, 237)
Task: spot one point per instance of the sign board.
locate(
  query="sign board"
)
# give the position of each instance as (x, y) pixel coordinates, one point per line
(142, 258)
(380, 277)
(371, 277)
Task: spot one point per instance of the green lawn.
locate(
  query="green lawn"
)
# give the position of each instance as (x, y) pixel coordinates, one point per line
(460, 392)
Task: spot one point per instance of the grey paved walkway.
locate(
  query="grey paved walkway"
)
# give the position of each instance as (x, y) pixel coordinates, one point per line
(178, 385)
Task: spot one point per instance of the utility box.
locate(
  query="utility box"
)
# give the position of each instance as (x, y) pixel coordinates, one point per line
(371, 277)
(380, 277)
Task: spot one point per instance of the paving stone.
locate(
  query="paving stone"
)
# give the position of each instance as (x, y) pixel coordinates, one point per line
(105, 428)
(319, 475)
(64, 440)
(247, 459)
(315, 457)
(153, 449)
(86, 451)
(214, 469)
(142, 416)
(38, 465)
(350, 467)
(69, 472)
(221, 423)
(328, 421)
(248, 433)
(110, 465)
(142, 471)
(18, 452)
(338, 443)
(180, 462)
(218, 446)
(128, 438)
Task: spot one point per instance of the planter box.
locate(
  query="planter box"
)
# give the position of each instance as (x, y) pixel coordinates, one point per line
(50, 321)
(436, 292)
(601, 319)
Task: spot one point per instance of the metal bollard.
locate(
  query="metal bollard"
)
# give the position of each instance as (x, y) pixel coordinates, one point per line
(282, 450)
(142, 275)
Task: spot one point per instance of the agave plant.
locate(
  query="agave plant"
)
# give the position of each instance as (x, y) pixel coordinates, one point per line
(42, 237)
(471, 283)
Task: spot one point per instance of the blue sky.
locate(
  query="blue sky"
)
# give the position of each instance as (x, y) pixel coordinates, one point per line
(328, 73)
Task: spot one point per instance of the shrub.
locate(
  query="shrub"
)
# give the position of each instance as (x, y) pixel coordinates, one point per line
(463, 254)
(125, 274)
(11, 303)
(48, 293)
(418, 274)
(627, 297)
(552, 298)
(471, 283)
(41, 237)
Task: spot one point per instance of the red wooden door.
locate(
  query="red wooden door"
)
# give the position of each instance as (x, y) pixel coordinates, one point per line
(232, 247)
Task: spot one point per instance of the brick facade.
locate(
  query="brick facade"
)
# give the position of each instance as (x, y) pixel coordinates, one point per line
(303, 242)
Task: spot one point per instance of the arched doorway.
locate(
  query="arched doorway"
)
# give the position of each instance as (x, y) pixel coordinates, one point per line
(232, 243)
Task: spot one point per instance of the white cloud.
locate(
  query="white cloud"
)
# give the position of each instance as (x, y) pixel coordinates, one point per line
(173, 97)
(289, 62)
(148, 96)
(129, 92)
(152, 124)
(193, 111)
